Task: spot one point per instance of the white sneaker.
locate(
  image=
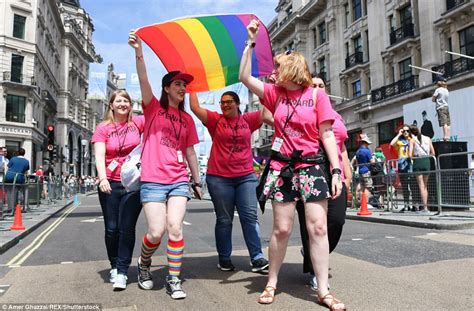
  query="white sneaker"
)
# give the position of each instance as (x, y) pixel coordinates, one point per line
(314, 283)
(120, 282)
(113, 275)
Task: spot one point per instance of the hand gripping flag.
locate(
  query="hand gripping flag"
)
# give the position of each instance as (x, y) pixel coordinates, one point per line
(209, 48)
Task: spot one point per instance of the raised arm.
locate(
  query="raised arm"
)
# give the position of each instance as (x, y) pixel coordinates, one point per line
(395, 139)
(201, 113)
(245, 72)
(145, 87)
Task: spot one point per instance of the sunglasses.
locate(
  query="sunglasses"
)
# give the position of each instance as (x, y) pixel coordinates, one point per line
(289, 52)
(227, 102)
(406, 131)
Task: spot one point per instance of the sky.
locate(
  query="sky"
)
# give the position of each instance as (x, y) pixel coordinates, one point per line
(113, 19)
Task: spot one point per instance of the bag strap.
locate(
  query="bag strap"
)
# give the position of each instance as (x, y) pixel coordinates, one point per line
(416, 141)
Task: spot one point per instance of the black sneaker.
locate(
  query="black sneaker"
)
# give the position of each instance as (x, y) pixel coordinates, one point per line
(144, 276)
(226, 266)
(260, 265)
(174, 288)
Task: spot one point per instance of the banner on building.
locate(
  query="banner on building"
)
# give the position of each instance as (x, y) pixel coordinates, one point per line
(97, 81)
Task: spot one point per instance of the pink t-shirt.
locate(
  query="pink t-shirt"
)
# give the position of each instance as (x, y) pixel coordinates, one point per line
(297, 119)
(231, 153)
(169, 131)
(120, 139)
(340, 132)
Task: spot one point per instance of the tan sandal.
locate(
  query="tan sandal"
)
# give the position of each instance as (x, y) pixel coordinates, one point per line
(334, 302)
(266, 294)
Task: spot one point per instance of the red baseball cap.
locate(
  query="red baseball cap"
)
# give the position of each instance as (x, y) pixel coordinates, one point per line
(176, 75)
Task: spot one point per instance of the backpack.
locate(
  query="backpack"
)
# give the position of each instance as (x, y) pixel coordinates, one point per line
(376, 168)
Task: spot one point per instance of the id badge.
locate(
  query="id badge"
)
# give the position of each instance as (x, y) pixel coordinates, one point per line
(277, 143)
(113, 165)
(180, 156)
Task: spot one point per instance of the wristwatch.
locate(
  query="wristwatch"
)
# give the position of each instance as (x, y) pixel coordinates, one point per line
(336, 171)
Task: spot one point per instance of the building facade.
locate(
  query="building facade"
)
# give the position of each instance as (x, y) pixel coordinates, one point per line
(365, 50)
(45, 51)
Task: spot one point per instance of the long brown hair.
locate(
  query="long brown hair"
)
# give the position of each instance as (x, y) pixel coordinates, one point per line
(109, 114)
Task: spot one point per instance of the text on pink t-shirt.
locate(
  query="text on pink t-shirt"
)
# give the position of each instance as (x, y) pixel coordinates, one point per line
(120, 139)
(231, 153)
(166, 132)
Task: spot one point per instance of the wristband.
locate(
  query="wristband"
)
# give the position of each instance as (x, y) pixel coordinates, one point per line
(197, 184)
(250, 44)
(336, 171)
(139, 57)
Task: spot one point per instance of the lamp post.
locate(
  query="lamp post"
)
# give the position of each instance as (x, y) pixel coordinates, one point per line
(84, 143)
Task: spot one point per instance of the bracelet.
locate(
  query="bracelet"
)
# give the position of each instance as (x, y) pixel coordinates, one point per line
(139, 57)
(197, 184)
(250, 44)
(336, 171)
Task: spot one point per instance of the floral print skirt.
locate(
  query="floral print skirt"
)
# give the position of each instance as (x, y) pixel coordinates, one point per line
(307, 184)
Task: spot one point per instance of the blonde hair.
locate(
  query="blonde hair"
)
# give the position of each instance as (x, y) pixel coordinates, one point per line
(109, 114)
(293, 68)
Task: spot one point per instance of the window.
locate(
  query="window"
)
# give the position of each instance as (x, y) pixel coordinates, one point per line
(405, 69)
(391, 23)
(367, 43)
(388, 129)
(322, 32)
(357, 41)
(356, 89)
(466, 41)
(19, 26)
(356, 9)
(405, 16)
(346, 10)
(15, 108)
(315, 38)
(352, 142)
(450, 48)
(17, 68)
(347, 48)
(322, 67)
(289, 10)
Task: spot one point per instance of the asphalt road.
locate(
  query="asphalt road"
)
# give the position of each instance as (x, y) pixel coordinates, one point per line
(375, 267)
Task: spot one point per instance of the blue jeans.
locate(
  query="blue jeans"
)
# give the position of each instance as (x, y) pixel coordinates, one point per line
(121, 210)
(227, 194)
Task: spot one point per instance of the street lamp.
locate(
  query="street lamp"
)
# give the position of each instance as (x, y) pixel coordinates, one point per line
(84, 143)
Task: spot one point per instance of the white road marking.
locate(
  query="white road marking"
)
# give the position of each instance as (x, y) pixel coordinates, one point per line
(432, 233)
(357, 239)
(187, 223)
(66, 262)
(93, 220)
(390, 237)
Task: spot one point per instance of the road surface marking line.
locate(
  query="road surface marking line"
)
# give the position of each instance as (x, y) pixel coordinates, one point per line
(390, 237)
(66, 262)
(432, 233)
(16, 261)
(357, 239)
(187, 223)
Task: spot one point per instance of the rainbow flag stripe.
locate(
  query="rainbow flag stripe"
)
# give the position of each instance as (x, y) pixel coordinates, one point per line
(209, 48)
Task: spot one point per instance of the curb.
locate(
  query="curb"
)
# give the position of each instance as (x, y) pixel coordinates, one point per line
(15, 240)
(417, 224)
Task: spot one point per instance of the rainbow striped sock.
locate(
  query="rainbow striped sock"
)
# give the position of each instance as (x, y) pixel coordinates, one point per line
(148, 249)
(174, 252)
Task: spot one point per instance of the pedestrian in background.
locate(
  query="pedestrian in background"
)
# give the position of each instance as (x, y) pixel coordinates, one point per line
(336, 213)
(169, 140)
(113, 140)
(300, 123)
(18, 168)
(440, 97)
(378, 172)
(403, 145)
(231, 178)
(363, 162)
(422, 150)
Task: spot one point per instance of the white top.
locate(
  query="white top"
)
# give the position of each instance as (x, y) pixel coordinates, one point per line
(441, 95)
(422, 149)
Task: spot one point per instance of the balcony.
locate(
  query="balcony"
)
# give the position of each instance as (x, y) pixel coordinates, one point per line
(451, 4)
(9, 77)
(397, 35)
(394, 89)
(354, 59)
(453, 68)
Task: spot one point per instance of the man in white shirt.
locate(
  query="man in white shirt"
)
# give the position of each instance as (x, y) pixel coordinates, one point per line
(440, 97)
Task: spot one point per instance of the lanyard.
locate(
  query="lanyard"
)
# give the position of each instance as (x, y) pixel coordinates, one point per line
(177, 134)
(234, 132)
(288, 115)
(121, 144)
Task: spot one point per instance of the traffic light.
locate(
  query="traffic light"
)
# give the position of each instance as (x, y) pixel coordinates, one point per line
(55, 152)
(51, 145)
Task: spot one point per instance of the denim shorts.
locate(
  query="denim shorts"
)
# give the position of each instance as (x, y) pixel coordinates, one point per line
(155, 192)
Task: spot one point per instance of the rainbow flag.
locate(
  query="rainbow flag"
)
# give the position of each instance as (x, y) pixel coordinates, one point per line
(209, 48)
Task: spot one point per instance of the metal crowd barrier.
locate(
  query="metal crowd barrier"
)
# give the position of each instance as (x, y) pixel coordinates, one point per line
(450, 184)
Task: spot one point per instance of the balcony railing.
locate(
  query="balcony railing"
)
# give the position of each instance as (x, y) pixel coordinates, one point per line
(453, 67)
(397, 35)
(8, 76)
(354, 59)
(397, 88)
(451, 4)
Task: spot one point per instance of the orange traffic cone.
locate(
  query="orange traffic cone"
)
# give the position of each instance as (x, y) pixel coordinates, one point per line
(17, 222)
(363, 211)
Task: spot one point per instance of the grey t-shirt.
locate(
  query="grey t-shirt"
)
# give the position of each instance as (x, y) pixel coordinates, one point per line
(441, 95)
